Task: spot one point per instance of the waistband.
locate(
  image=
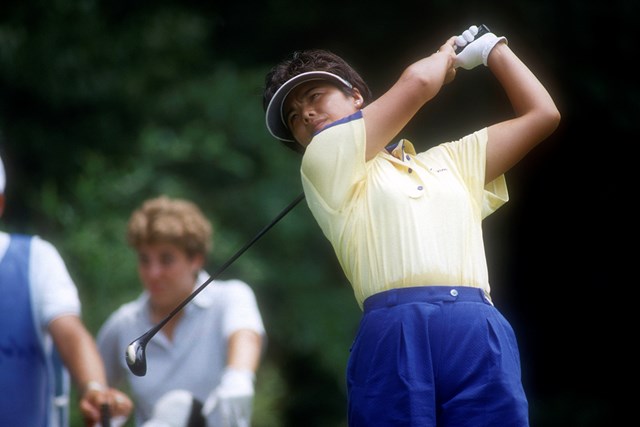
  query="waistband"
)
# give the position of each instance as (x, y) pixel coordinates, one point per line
(424, 294)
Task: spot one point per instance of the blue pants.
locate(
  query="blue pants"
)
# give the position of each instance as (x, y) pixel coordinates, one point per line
(434, 356)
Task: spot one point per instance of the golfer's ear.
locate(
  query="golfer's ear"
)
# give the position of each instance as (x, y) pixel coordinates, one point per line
(357, 98)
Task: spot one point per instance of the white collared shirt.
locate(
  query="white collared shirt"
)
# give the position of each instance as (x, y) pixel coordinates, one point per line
(194, 359)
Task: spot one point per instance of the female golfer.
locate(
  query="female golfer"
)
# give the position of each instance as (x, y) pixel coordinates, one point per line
(406, 226)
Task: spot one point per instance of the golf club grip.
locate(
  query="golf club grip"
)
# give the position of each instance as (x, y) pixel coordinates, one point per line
(482, 30)
(105, 415)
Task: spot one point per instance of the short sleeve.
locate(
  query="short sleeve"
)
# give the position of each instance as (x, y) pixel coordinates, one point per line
(241, 311)
(469, 154)
(55, 294)
(334, 162)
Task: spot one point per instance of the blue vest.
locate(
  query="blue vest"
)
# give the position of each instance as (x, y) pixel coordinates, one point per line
(25, 370)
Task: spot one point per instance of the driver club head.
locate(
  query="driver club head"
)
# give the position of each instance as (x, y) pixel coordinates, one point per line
(136, 358)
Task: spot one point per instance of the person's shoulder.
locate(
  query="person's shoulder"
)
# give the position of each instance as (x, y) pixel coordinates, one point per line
(466, 142)
(21, 237)
(231, 283)
(41, 248)
(203, 276)
(38, 242)
(226, 290)
(235, 286)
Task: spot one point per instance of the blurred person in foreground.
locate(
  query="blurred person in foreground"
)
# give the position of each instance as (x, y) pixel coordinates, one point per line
(212, 347)
(43, 341)
(406, 226)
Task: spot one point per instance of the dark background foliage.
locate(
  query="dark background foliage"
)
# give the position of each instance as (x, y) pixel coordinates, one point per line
(106, 103)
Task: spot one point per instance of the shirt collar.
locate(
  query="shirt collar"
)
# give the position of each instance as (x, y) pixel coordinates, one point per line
(203, 299)
(401, 148)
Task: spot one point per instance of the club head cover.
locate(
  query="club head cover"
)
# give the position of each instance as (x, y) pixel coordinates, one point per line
(177, 408)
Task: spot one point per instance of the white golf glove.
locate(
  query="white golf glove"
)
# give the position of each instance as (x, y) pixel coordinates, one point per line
(175, 409)
(233, 398)
(476, 51)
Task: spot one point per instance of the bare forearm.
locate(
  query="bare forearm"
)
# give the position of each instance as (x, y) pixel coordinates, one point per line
(245, 350)
(536, 115)
(78, 351)
(525, 92)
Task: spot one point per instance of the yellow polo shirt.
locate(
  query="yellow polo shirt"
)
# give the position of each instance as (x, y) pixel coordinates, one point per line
(401, 219)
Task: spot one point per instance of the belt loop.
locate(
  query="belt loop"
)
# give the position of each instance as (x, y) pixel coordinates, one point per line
(486, 298)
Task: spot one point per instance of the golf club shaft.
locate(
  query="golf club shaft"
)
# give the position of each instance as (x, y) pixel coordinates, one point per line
(180, 306)
(105, 415)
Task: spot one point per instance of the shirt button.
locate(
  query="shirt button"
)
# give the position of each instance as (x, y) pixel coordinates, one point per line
(420, 187)
(407, 157)
(453, 292)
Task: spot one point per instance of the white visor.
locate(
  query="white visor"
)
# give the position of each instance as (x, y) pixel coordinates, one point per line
(276, 122)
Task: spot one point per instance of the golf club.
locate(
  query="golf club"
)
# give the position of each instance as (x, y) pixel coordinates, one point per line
(105, 415)
(136, 351)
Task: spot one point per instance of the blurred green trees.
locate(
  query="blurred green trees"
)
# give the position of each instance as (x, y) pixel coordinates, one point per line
(103, 108)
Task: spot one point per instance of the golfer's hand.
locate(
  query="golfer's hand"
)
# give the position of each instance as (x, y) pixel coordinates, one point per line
(233, 398)
(448, 48)
(476, 51)
(96, 396)
(121, 407)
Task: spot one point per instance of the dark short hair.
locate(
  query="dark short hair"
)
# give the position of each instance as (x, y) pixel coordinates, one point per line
(312, 60)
